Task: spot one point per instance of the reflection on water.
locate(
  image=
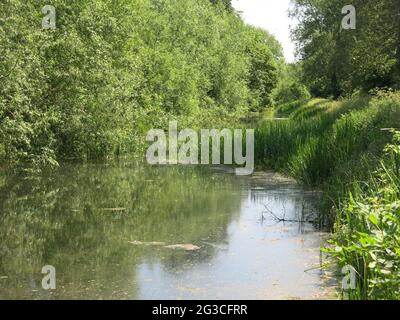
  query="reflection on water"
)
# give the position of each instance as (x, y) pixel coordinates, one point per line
(111, 230)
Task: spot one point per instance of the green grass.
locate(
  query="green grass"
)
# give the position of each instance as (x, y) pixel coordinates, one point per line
(344, 148)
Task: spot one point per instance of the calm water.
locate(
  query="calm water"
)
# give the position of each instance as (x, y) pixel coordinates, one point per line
(126, 231)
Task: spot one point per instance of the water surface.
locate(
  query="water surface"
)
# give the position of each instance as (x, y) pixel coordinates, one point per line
(127, 231)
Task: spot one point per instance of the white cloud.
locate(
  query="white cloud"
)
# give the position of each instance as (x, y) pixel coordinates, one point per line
(271, 15)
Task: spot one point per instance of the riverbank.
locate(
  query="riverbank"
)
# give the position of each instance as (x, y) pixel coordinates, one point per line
(347, 149)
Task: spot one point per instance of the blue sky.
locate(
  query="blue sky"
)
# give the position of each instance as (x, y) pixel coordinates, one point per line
(271, 15)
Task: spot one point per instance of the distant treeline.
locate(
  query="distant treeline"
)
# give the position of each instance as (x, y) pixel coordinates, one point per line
(337, 62)
(112, 69)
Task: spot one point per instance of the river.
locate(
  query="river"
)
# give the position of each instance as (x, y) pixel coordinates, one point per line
(123, 230)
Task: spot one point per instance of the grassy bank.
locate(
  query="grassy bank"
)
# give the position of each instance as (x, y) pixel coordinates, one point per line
(346, 148)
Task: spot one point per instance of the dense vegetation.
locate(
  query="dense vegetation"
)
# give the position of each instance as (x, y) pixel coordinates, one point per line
(335, 61)
(348, 147)
(368, 230)
(340, 146)
(345, 148)
(113, 69)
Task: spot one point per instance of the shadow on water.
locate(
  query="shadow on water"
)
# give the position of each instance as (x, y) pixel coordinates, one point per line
(107, 228)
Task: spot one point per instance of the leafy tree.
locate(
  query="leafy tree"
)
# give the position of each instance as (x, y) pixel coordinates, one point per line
(263, 69)
(290, 87)
(112, 69)
(336, 61)
(226, 3)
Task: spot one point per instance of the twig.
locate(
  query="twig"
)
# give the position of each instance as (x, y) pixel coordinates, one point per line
(283, 219)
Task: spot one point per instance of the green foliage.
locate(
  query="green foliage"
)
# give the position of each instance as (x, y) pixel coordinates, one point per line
(2, 152)
(226, 3)
(323, 138)
(335, 61)
(113, 69)
(263, 70)
(368, 231)
(345, 148)
(290, 87)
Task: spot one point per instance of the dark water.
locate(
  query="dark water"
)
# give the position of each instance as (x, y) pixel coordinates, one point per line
(108, 229)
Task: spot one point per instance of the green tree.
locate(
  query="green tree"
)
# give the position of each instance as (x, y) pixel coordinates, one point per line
(263, 74)
(112, 69)
(336, 61)
(226, 3)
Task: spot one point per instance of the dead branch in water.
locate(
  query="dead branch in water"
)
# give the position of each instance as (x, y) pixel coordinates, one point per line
(267, 210)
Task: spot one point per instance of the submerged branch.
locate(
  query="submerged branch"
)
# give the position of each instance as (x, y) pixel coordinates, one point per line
(267, 210)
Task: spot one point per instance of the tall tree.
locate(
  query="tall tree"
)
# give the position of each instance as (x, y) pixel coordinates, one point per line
(338, 61)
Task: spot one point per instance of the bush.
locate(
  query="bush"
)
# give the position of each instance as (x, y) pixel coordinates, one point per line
(291, 91)
(113, 69)
(368, 231)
